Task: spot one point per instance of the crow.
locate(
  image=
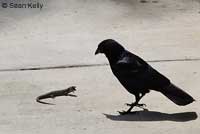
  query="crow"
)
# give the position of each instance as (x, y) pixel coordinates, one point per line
(138, 77)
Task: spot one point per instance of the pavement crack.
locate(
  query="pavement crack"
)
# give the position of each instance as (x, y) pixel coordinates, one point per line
(88, 65)
(174, 60)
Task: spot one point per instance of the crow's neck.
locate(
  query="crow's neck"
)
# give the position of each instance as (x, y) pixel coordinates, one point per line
(113, 57)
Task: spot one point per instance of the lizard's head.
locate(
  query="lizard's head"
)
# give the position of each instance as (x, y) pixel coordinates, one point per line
(71, 89)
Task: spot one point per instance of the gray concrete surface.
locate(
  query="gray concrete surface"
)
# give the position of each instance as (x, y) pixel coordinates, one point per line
(66, 32)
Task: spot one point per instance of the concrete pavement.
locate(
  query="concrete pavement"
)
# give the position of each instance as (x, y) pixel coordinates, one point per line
(100, 96)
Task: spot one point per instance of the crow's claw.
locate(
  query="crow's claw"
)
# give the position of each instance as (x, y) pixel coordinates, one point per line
(130, 104)
(137, 105)
(141, 105)
(123, 112)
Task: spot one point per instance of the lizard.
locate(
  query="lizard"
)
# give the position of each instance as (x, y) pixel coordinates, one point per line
(53, 94)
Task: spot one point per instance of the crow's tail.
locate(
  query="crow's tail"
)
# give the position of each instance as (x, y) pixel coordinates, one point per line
(177, 95)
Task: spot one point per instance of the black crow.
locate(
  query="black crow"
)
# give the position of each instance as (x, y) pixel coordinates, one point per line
(138, 77)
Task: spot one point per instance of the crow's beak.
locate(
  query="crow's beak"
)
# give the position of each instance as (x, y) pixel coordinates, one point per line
(97, 51)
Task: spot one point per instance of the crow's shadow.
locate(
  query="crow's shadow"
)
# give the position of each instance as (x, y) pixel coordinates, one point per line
(154, 116)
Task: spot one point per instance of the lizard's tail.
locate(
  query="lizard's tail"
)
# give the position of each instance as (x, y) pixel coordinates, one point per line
(39, 101)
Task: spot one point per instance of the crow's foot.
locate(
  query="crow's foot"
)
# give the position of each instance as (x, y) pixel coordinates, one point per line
(141, 105)
(137, 105)
(123, 112)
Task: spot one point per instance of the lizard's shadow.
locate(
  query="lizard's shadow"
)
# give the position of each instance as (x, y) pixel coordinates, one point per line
(154, 116)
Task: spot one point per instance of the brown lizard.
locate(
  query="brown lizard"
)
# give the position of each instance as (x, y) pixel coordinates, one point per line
(53, 94)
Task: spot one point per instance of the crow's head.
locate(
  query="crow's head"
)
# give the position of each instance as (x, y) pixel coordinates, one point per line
(109, 47)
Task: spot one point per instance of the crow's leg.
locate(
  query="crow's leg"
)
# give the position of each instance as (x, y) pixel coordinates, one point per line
(137, 99)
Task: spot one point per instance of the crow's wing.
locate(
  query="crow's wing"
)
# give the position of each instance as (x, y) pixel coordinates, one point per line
(129, 64)
(131, 70)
